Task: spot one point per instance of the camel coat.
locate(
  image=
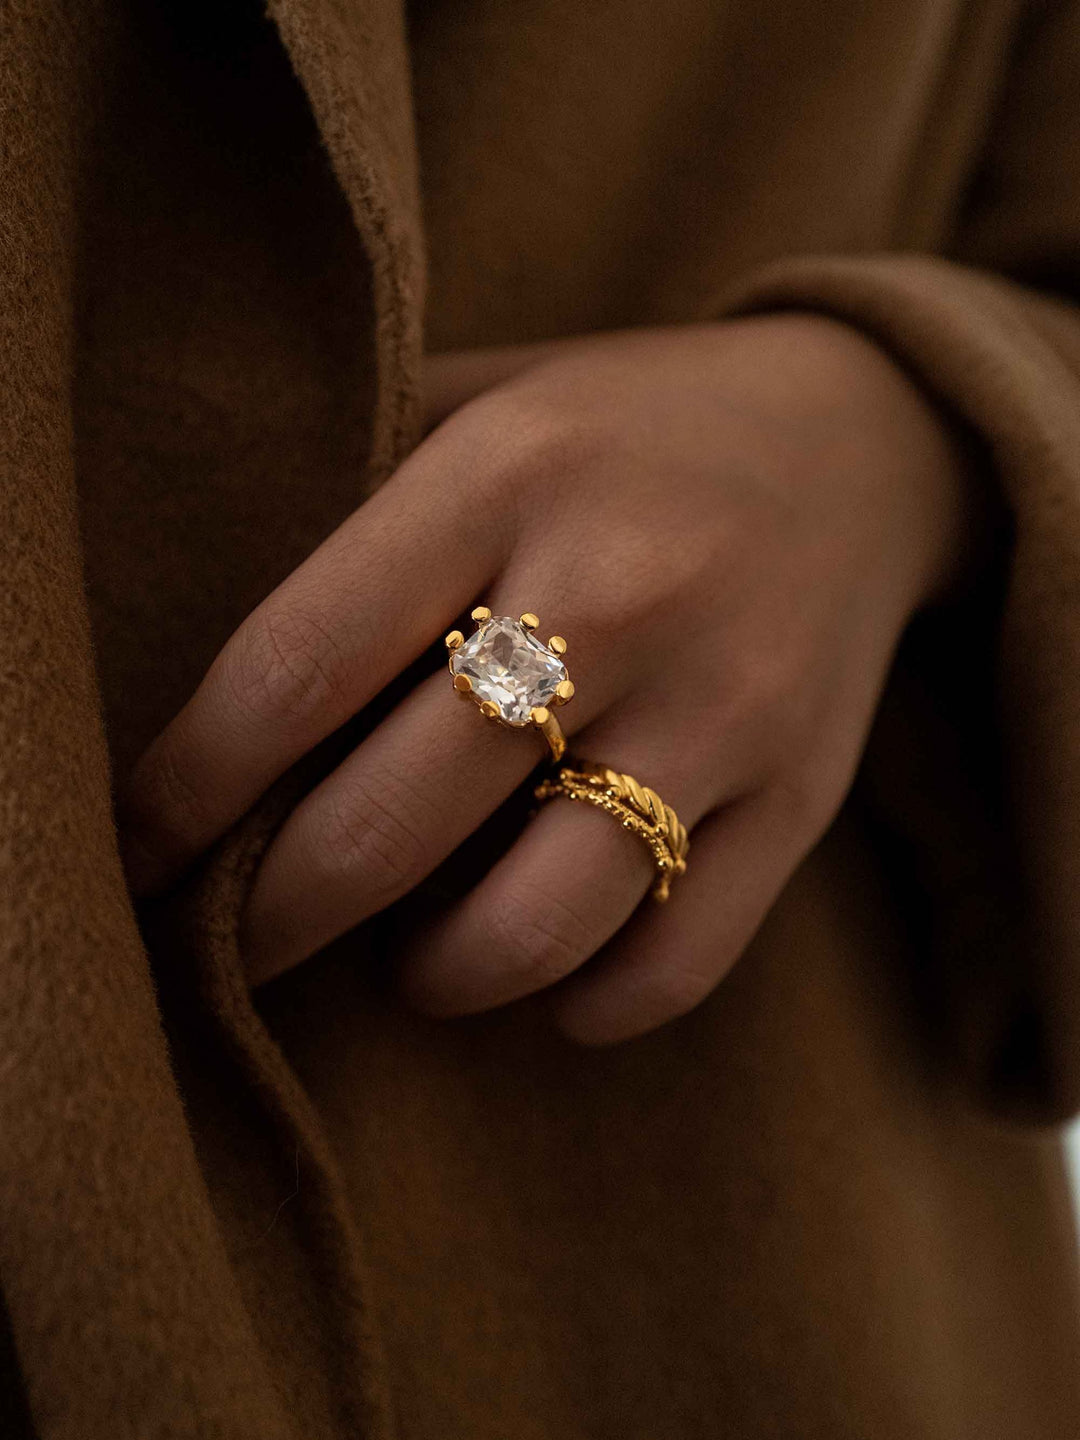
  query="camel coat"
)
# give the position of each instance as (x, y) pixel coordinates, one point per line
(830, 1201)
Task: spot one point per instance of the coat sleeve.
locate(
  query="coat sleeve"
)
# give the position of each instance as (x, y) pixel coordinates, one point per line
(972, 779)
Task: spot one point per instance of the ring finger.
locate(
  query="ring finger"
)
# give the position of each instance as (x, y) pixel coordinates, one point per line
(563, 890)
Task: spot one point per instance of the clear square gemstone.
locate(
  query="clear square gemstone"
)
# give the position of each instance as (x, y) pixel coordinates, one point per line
(510, 667)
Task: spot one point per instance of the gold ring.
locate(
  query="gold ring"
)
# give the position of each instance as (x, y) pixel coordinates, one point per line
(516, 680)
(635, 806)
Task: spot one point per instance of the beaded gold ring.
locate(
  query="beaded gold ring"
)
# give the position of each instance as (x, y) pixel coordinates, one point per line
(635, 806)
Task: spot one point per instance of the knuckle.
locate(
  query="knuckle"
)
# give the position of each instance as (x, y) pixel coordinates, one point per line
(610, 592)
(659, 563)
(629, 570)
(374, 834)
(541, 443)
(808, 795)
(626, 596)
(168, 812)
(794, 791)
(564, 443)
(540, 937)
(760, 694)
(770, 683)
(287, 663)
(680, 987)
(182, 800)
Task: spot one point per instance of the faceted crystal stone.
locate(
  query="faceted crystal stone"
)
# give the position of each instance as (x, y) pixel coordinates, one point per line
(510, 667)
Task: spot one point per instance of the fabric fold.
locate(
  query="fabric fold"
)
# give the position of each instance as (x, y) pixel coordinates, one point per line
(1005, 360)
(273, 1181)
(124, 1312)
(165, 1195)
(352, 62)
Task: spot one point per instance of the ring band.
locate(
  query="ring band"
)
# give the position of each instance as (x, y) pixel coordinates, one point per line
(635, 806)
(515, 680)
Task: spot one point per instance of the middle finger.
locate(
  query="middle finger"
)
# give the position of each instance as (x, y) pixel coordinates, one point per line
(571, 880)
(405, 799)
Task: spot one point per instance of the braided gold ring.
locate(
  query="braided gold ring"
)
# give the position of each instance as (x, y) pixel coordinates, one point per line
(635, 806)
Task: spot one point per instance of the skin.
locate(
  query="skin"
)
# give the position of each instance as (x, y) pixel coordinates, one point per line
(731, 524)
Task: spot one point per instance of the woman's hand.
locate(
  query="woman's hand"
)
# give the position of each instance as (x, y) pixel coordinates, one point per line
(730, 523)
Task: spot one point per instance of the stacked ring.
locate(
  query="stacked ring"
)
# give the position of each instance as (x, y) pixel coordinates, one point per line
(517, 681)
(638, 809)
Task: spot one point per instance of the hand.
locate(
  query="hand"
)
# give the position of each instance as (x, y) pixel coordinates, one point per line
(731, 524)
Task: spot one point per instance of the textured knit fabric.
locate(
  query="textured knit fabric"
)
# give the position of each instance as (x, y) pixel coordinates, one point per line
(830, 1200)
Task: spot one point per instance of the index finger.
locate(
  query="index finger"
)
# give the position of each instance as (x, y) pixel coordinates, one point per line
(361, 608)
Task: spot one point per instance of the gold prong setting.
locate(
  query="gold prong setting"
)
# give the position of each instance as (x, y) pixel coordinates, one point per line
(513, 677)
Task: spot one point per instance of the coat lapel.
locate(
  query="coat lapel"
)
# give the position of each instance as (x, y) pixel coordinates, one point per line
(352, 61)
